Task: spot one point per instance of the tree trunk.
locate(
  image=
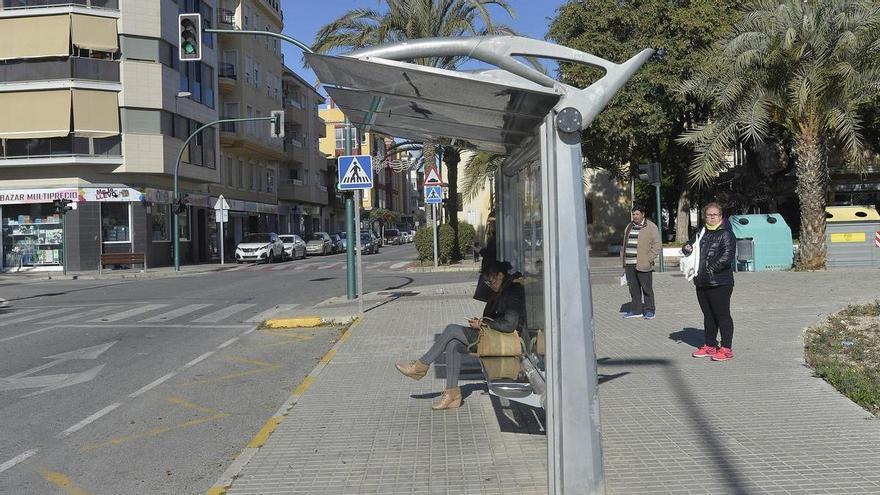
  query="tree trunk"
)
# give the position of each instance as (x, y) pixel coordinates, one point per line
(812, 180)
(451, 158)
(682, 212)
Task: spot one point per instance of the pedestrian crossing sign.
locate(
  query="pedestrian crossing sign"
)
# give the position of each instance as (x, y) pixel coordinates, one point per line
(433, 195)
(355, 172)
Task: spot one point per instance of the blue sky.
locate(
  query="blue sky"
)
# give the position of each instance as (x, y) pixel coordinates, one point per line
(531, 20)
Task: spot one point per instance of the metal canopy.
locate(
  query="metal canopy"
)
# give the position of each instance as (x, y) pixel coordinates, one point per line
(423, 103)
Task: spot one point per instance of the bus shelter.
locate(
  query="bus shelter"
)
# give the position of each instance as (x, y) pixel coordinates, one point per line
(536, 122)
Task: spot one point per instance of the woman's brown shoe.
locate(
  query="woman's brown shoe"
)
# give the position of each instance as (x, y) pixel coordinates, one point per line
(451, 399)
(413, 369)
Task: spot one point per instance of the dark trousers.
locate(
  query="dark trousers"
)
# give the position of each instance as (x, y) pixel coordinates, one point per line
(715, 303)
(640, 284)
(454, 343)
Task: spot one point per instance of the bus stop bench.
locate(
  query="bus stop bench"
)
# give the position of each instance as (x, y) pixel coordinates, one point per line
(123, 259)
(515, 378)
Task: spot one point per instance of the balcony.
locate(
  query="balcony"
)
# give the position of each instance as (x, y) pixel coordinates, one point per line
(31, 4)
(87, 69)
(227, 76)
(295, 150)
(322, 127)
(294, 190)
(226, 18)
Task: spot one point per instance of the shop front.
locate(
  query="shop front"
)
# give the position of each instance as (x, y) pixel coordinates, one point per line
(32, 236)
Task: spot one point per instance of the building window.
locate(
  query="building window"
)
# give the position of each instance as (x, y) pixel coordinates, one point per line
(248, 69)
(230, 171)
(250, 123)
(160, 229)
(183, 224)
(270, 180)
(115, 222)
(257, 75)
(240, 172)
(207, 20)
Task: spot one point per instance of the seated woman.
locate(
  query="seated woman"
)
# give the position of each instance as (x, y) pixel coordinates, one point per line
(505, 312)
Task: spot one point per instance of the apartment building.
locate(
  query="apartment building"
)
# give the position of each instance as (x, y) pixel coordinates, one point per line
(95, 107)
(250, 79)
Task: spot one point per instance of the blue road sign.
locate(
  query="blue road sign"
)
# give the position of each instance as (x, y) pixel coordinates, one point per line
(433, 195)
(355, 172)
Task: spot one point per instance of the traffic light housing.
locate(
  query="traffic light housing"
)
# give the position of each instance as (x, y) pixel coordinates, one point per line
(277, 124)
(650, 173)
(190, 41)
(62, 206)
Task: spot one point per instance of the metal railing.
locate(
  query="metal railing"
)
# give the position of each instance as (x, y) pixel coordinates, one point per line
(227, 70)
(31, 4)
(226, 17)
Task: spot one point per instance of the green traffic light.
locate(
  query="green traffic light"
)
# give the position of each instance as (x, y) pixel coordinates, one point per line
(189, 48)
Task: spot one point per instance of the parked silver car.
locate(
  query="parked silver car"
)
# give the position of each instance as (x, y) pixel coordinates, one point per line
(259, 247)
(319, 243)
(294, 246)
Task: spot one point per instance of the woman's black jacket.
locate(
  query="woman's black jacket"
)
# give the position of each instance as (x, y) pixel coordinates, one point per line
(717, 253)
(507, 308)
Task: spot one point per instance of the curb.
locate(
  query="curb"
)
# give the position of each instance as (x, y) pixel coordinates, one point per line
(234, 470)
(307, 321)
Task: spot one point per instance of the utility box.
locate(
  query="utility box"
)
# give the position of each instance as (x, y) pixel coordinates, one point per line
(852, 235)
(763, 242)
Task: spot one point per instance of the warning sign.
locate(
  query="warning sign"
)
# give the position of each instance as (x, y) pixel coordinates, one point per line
(432, 178)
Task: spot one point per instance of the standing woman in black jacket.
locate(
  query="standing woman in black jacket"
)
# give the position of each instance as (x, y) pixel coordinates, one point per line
(714, 282)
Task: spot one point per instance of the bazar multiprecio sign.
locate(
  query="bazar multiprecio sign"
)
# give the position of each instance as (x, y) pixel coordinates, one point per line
(37, 195)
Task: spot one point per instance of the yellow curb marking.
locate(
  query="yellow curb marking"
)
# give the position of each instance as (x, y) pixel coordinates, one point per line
(62, 482)
(262, 367)
(217, 490)
(265, 432)
(327, 357)
(304, 385)
(215, 415)
(305, 321)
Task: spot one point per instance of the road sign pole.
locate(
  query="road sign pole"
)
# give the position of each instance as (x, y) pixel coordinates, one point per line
(222, 261)
(350, 232)
(360, 253)
(64, 242)
(434, 228)
(660, 226)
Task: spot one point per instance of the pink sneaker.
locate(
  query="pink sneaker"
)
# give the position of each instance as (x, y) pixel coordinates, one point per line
(705, 351)
(723, 354)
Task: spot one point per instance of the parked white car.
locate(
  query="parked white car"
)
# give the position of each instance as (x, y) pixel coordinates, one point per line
(294, 246)
(259, 247)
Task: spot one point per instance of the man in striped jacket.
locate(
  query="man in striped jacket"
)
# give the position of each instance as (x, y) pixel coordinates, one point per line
(641, 245)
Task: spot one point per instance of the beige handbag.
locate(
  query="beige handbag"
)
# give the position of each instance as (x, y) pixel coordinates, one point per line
(493, 343)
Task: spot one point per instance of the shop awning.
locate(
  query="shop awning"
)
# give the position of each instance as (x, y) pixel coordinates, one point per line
(35, 114)
(423, 103)
(95, 113)
(37, 36)
(94, 33)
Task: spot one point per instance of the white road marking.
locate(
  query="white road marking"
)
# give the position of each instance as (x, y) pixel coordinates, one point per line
(38, 315)
(373, 266)
(198, 360)
(154, 384)
(15, 460)
(3, 303)
(227, 343)
(91, 419)
(265, 315)
(189, 308)
(83, 314)
(31, 333)
(128, 314)
(331, 266)
(223, 313)
(399, 265)
(252, 329)
(280, 267)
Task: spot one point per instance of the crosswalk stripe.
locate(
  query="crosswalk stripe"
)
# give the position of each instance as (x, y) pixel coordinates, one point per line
(189, 308)
(280, 267)
(331, 265)
(39, 314)
(223, 313)
(128, 314)
(84, 314)
(399, 265)
(373, 266)
(265, 315)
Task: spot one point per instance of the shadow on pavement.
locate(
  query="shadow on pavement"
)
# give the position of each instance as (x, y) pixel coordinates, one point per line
(708, 429)
(694, 337)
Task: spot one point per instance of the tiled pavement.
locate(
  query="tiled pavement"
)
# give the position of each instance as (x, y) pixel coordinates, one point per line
(671, 424)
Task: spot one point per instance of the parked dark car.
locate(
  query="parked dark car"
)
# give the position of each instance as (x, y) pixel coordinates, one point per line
(369, 243)
(337, 244)
(392, 236)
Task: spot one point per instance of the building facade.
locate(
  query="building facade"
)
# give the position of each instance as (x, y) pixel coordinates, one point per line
(95, 110)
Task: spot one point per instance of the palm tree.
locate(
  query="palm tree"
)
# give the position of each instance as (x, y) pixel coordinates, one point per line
(412, 19)
(807, 67)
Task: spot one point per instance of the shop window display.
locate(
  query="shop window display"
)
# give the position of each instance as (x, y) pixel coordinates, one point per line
(32, 236)
(115, 222)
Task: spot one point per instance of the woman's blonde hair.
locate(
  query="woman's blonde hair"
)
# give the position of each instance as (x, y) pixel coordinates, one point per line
(713, 205)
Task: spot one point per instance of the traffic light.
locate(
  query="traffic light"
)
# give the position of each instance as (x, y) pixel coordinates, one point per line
(277, 124)
(179, 206)
(650, 172)
(190, 42)
(62, 206)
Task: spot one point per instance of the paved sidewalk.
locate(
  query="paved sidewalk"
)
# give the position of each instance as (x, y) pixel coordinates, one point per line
(671, 424)
(158, 272)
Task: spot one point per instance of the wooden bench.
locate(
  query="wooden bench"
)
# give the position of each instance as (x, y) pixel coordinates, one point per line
(123, 259)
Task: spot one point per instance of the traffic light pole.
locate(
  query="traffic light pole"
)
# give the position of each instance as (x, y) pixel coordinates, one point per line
(176, 233)
(64, 243)
(659, 225)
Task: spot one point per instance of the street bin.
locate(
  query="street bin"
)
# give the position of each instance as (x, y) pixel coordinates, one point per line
(852, 235)
(763, 242)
